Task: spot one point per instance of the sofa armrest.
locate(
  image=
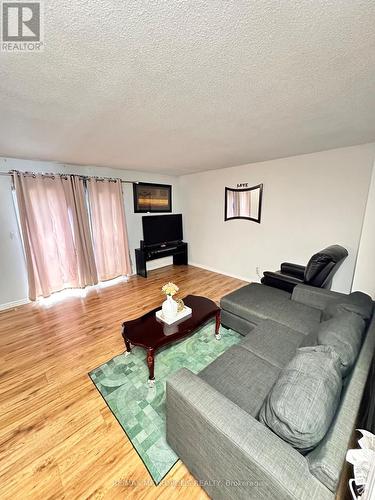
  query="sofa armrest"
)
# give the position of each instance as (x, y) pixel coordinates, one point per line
(281, 281)
(229, 452)
(313, 296)
(293, 270)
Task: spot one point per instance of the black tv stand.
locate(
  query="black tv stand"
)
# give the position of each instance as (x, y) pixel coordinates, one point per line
(176, 249)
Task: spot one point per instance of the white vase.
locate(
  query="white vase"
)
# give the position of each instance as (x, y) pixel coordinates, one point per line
(169, 308)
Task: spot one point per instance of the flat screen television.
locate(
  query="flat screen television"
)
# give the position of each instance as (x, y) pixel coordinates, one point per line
(162, 228)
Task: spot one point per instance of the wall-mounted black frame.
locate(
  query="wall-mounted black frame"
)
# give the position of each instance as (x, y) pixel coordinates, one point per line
(159, 197)
(249, 217)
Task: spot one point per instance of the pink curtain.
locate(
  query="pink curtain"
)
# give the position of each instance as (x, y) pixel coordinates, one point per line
(109, 231)
(75, 194)
(54, 232)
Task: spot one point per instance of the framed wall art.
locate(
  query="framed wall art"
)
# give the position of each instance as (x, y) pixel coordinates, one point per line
(151, 198)
(244, 203)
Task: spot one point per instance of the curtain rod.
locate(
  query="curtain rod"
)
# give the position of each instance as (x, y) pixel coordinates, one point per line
(79, 175)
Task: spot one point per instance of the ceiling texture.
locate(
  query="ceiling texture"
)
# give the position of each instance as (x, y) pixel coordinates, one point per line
(180, 86)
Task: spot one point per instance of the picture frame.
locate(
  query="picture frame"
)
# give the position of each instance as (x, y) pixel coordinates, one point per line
(244, 203)
(152, 198)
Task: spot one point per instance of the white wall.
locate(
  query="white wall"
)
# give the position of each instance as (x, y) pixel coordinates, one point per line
(364, 276)
(309, 202)
(13, 277)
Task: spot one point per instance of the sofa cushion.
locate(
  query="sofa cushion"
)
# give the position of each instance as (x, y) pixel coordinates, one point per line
(256, 302)
(344, 334)
(326, 460)
(356, 302)
(304, 399)
(273, 342)
(242, 377)
(240, 325)
(239, 301)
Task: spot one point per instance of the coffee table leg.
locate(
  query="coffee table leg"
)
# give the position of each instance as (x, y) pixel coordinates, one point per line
(127, 343)
(217, 326)
(150, 364)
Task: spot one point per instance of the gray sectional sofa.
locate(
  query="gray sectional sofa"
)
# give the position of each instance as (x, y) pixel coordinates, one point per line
(272, 416)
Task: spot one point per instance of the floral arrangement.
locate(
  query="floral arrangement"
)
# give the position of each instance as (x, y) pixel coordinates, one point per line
(170, 289)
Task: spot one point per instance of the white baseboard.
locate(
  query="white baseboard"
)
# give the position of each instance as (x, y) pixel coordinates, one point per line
(14, 304)
(225, 273)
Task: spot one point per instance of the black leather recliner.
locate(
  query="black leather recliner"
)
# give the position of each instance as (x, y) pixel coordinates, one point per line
(319, 271)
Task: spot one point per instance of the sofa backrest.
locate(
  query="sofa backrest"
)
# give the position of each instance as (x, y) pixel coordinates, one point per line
(327, 459)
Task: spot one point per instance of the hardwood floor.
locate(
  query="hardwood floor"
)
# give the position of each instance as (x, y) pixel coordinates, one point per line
(58, 439)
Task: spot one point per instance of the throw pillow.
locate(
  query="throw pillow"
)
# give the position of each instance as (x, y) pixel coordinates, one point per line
(302, 403)
(344, 334)
(357, 302)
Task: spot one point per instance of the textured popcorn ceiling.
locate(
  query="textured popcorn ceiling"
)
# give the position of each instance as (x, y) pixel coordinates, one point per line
(180, 86)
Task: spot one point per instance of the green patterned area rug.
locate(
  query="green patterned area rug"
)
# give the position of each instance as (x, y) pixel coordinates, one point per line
(140, 409)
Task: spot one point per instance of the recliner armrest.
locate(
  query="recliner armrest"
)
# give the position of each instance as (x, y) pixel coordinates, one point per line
(282, 281)
(293, 270)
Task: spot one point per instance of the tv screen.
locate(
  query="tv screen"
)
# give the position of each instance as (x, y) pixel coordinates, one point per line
(162, 228)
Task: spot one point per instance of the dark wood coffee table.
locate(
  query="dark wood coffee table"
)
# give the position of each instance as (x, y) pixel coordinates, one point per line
(152, 334)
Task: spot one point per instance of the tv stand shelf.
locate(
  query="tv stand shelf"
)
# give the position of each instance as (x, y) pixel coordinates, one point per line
(178, 251)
